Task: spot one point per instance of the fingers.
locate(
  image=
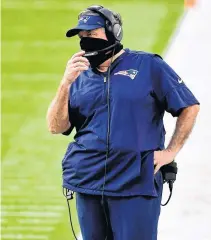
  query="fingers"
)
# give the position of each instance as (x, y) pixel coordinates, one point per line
(78, 54)
(77, 57)
(156, 162)
(80, 68)
(75, 66)
(79, 64)
(156, 169)
(155, 158)
(72, 71)
(80, 59)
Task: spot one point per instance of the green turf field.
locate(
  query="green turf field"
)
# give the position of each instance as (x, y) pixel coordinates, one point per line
(34, 54)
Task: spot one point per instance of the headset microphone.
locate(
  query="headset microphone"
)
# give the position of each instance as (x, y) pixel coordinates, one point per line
(94, 53)
(88, 54)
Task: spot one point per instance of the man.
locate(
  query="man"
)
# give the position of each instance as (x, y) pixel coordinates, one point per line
(116, 99)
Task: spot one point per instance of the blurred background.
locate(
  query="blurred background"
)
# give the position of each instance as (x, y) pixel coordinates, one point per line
(34, 55)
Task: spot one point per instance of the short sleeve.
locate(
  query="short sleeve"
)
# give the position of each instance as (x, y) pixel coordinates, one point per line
(169, 88)
(72, 117)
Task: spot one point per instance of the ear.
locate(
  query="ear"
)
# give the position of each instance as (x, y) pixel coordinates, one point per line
(102, 34)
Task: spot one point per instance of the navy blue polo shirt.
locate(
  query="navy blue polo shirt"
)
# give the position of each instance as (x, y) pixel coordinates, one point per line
(127, 125)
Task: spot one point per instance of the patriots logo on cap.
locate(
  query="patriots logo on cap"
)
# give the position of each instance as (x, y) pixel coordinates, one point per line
(84, 19)
(131, 73)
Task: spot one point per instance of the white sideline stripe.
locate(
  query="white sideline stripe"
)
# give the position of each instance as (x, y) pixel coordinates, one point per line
(49, 221)
(18, 194)
(26, 228)
(188, 214)
(32, 207)
(53, 44)
(9, 94)
(30, 214)
(23, 236)
(28, 201)
(31, 76)
(3, 220)
(46, 188)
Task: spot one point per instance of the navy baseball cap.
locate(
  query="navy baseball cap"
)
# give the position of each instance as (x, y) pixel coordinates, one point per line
(86, 22)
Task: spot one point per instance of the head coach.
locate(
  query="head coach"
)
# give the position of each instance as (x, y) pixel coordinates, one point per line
(116, 99)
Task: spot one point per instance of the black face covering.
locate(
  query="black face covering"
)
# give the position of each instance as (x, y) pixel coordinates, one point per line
(98, 50)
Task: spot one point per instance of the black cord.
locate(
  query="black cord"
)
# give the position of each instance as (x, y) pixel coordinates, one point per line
(71, 223)
(171, 190)
(170, 182)
(70, 218)
(107, 155)
(107, 142)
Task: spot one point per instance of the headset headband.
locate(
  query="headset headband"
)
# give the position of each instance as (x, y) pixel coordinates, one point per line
(112, 24)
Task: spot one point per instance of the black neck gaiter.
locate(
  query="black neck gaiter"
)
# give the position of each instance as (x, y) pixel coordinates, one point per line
(98, 50)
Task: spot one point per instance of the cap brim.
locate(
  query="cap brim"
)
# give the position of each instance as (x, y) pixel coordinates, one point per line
(74, 31)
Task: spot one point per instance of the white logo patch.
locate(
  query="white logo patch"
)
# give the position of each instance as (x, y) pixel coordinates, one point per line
(131, 73)
(84, 19)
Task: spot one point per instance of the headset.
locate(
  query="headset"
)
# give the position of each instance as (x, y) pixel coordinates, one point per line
(113, 24)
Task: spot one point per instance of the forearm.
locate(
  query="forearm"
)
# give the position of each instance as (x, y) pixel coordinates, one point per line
(184, 126)
(57, 115)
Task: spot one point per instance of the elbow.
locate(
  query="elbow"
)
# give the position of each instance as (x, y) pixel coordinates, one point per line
(55, 128)
(193, 110)
(197, 106)
(52, 129)
(55, 125)
(51, 126)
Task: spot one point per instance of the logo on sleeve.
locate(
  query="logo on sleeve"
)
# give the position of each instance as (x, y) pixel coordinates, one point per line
(131, 73)
(180, 80)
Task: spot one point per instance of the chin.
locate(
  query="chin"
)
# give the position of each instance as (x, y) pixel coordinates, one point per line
(105, 64)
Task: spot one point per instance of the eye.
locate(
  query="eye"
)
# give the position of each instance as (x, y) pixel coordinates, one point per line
(92, 34)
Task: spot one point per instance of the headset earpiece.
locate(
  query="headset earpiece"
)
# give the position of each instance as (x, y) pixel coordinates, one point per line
(117, 29)
(113, 21)
(108, 26)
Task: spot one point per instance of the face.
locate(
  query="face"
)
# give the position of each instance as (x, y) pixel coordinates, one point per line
(96, 33)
